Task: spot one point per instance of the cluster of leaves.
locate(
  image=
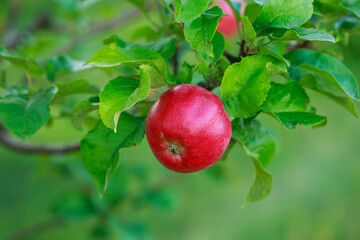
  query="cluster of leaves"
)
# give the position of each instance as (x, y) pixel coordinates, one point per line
(275, 67)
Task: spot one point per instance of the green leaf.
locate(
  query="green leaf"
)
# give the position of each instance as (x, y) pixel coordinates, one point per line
(248, 29)
(100, 147)
(289, 96)
(260, 146)
(62, 64)
(314, 83)
(228, 149)
(291, 119)
(257, 141)
(245, 85)
(121, 94)
(200, 32)
(273, 54)
(252, 11)
(24, 117)
(82, 109)
(213, 73)
(164, 46)
(112, 55)
(156, 80)
(284, 14)
(185, 75)
(29, 65)
(302, 34)
(327, 66)
(261, 186)
(74, 87)
(218, 44)
(187, 10)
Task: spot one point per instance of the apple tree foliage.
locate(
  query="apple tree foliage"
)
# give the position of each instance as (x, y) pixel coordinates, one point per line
(277, 58)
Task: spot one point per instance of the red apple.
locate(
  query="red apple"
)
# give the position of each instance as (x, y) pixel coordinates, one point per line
(188, 129)
(228, 24)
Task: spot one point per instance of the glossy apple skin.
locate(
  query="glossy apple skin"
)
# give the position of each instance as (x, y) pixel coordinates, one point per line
(228, 24)
(193, 120)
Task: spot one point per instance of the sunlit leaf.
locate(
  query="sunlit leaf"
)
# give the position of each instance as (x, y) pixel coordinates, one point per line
(284, 14)
(121, 94)
(187, 10)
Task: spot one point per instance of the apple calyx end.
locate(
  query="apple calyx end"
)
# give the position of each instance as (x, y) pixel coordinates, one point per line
(174, 149)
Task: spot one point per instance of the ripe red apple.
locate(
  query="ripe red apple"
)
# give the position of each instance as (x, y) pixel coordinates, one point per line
(188, 129)
(228, 24)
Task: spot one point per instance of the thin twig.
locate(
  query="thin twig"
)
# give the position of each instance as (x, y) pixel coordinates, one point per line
(175, 59)
(230, 57)
(36, 229)
(7, 141)
(168, 8)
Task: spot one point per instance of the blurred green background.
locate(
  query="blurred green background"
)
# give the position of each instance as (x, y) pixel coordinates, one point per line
(316, 191)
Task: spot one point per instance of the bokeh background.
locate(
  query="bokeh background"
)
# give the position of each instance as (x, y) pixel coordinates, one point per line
(316, 192)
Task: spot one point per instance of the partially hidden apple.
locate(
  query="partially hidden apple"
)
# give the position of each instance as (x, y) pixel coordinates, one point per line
(228, 24)
(188, 129)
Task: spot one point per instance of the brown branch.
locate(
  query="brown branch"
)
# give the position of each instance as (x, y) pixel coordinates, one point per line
(9, 142)
(230, 57)
(175, 59)
(36, 229)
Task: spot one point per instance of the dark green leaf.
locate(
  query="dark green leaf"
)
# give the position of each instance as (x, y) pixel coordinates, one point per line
(185, 75)
(256, 140)
(164, 46)
(187, 10)
(62, 64)
(218, 44)
(100, 147)
(288, 96)
(24, 117)
(316, 84)
(121, 94)
(260, 146)
(200, 32)
(284, 14)
(327, 66)
(213, 72)
(112, 55)
(29, 65)
(81, 110)
(74, 87)
(302, 34)
(292, 119)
